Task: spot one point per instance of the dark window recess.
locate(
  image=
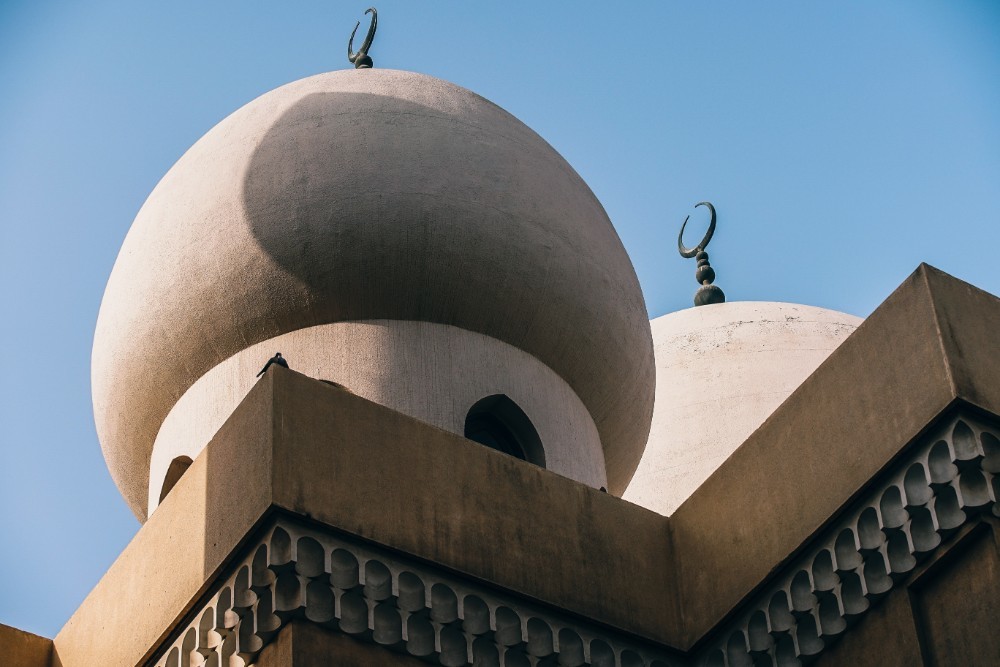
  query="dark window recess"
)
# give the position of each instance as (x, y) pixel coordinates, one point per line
(177, 468)
(498, 422)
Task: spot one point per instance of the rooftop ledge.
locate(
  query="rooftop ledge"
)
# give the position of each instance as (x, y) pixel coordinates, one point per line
(303, 448)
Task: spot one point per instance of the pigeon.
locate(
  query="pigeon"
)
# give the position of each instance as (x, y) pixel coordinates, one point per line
(276, 359)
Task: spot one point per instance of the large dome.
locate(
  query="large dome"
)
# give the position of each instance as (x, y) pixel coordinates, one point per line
(368, 195)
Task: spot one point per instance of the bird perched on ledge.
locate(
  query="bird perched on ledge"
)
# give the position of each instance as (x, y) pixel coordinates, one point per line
(276, 359)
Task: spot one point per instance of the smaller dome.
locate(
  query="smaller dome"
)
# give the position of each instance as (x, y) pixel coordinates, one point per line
(721, 370)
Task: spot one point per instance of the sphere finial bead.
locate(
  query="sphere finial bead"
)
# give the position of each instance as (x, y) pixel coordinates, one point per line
(709, 294)
(704, 274)
(364, 62)
(702, 256)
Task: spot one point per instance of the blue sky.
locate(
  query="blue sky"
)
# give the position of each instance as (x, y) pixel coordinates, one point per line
(842, 143)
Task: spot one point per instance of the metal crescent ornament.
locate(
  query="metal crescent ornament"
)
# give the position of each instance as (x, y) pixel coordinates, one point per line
(691, 252)
(361, 59)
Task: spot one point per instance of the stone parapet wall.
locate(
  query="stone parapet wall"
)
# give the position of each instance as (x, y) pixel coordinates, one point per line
(944, 484)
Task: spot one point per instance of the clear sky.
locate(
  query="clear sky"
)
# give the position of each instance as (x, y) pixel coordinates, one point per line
(842, 142)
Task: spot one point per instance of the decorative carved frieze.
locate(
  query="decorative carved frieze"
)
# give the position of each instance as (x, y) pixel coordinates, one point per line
(304, 572)
(949, 478)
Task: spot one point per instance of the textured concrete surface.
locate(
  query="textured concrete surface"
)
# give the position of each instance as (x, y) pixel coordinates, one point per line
(177, 553)
(928, 345)
(304, 644)
(304, 446)
(886, 638)
(23, 649)
(432, 372)
(360, 195)
(955, 603)
(720, 371)
(469, 508)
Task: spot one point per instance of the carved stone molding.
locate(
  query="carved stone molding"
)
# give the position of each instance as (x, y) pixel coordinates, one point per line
(949, 478)
(304, 572)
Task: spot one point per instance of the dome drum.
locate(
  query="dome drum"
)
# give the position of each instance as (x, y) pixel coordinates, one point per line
(434, 372)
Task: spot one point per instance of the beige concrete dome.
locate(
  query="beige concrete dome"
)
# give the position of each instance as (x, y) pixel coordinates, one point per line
(721, 370)
(368, 196)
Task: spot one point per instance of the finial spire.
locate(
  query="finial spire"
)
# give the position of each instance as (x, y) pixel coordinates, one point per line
(704, 274)
(361, 59)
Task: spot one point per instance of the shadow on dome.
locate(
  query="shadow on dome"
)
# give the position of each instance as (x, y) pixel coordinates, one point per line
(449, 211)
(397, 211)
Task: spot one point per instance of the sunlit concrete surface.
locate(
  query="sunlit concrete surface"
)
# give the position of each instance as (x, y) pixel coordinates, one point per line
(720, 371)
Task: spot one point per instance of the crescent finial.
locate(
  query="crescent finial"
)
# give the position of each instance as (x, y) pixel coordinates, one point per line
(361, 59)
(688, 253)
(704, 273)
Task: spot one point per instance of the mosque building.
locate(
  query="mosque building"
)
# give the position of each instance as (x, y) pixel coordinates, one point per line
(483, 452)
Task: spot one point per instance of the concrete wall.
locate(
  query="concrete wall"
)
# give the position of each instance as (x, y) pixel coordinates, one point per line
(720, 371)
(432, 372)
(303, 644)
(299, 445)
(23, 649)
(178, 552)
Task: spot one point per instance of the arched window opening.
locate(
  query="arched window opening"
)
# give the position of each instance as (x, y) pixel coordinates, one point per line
(498, 423)
(177, 468)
